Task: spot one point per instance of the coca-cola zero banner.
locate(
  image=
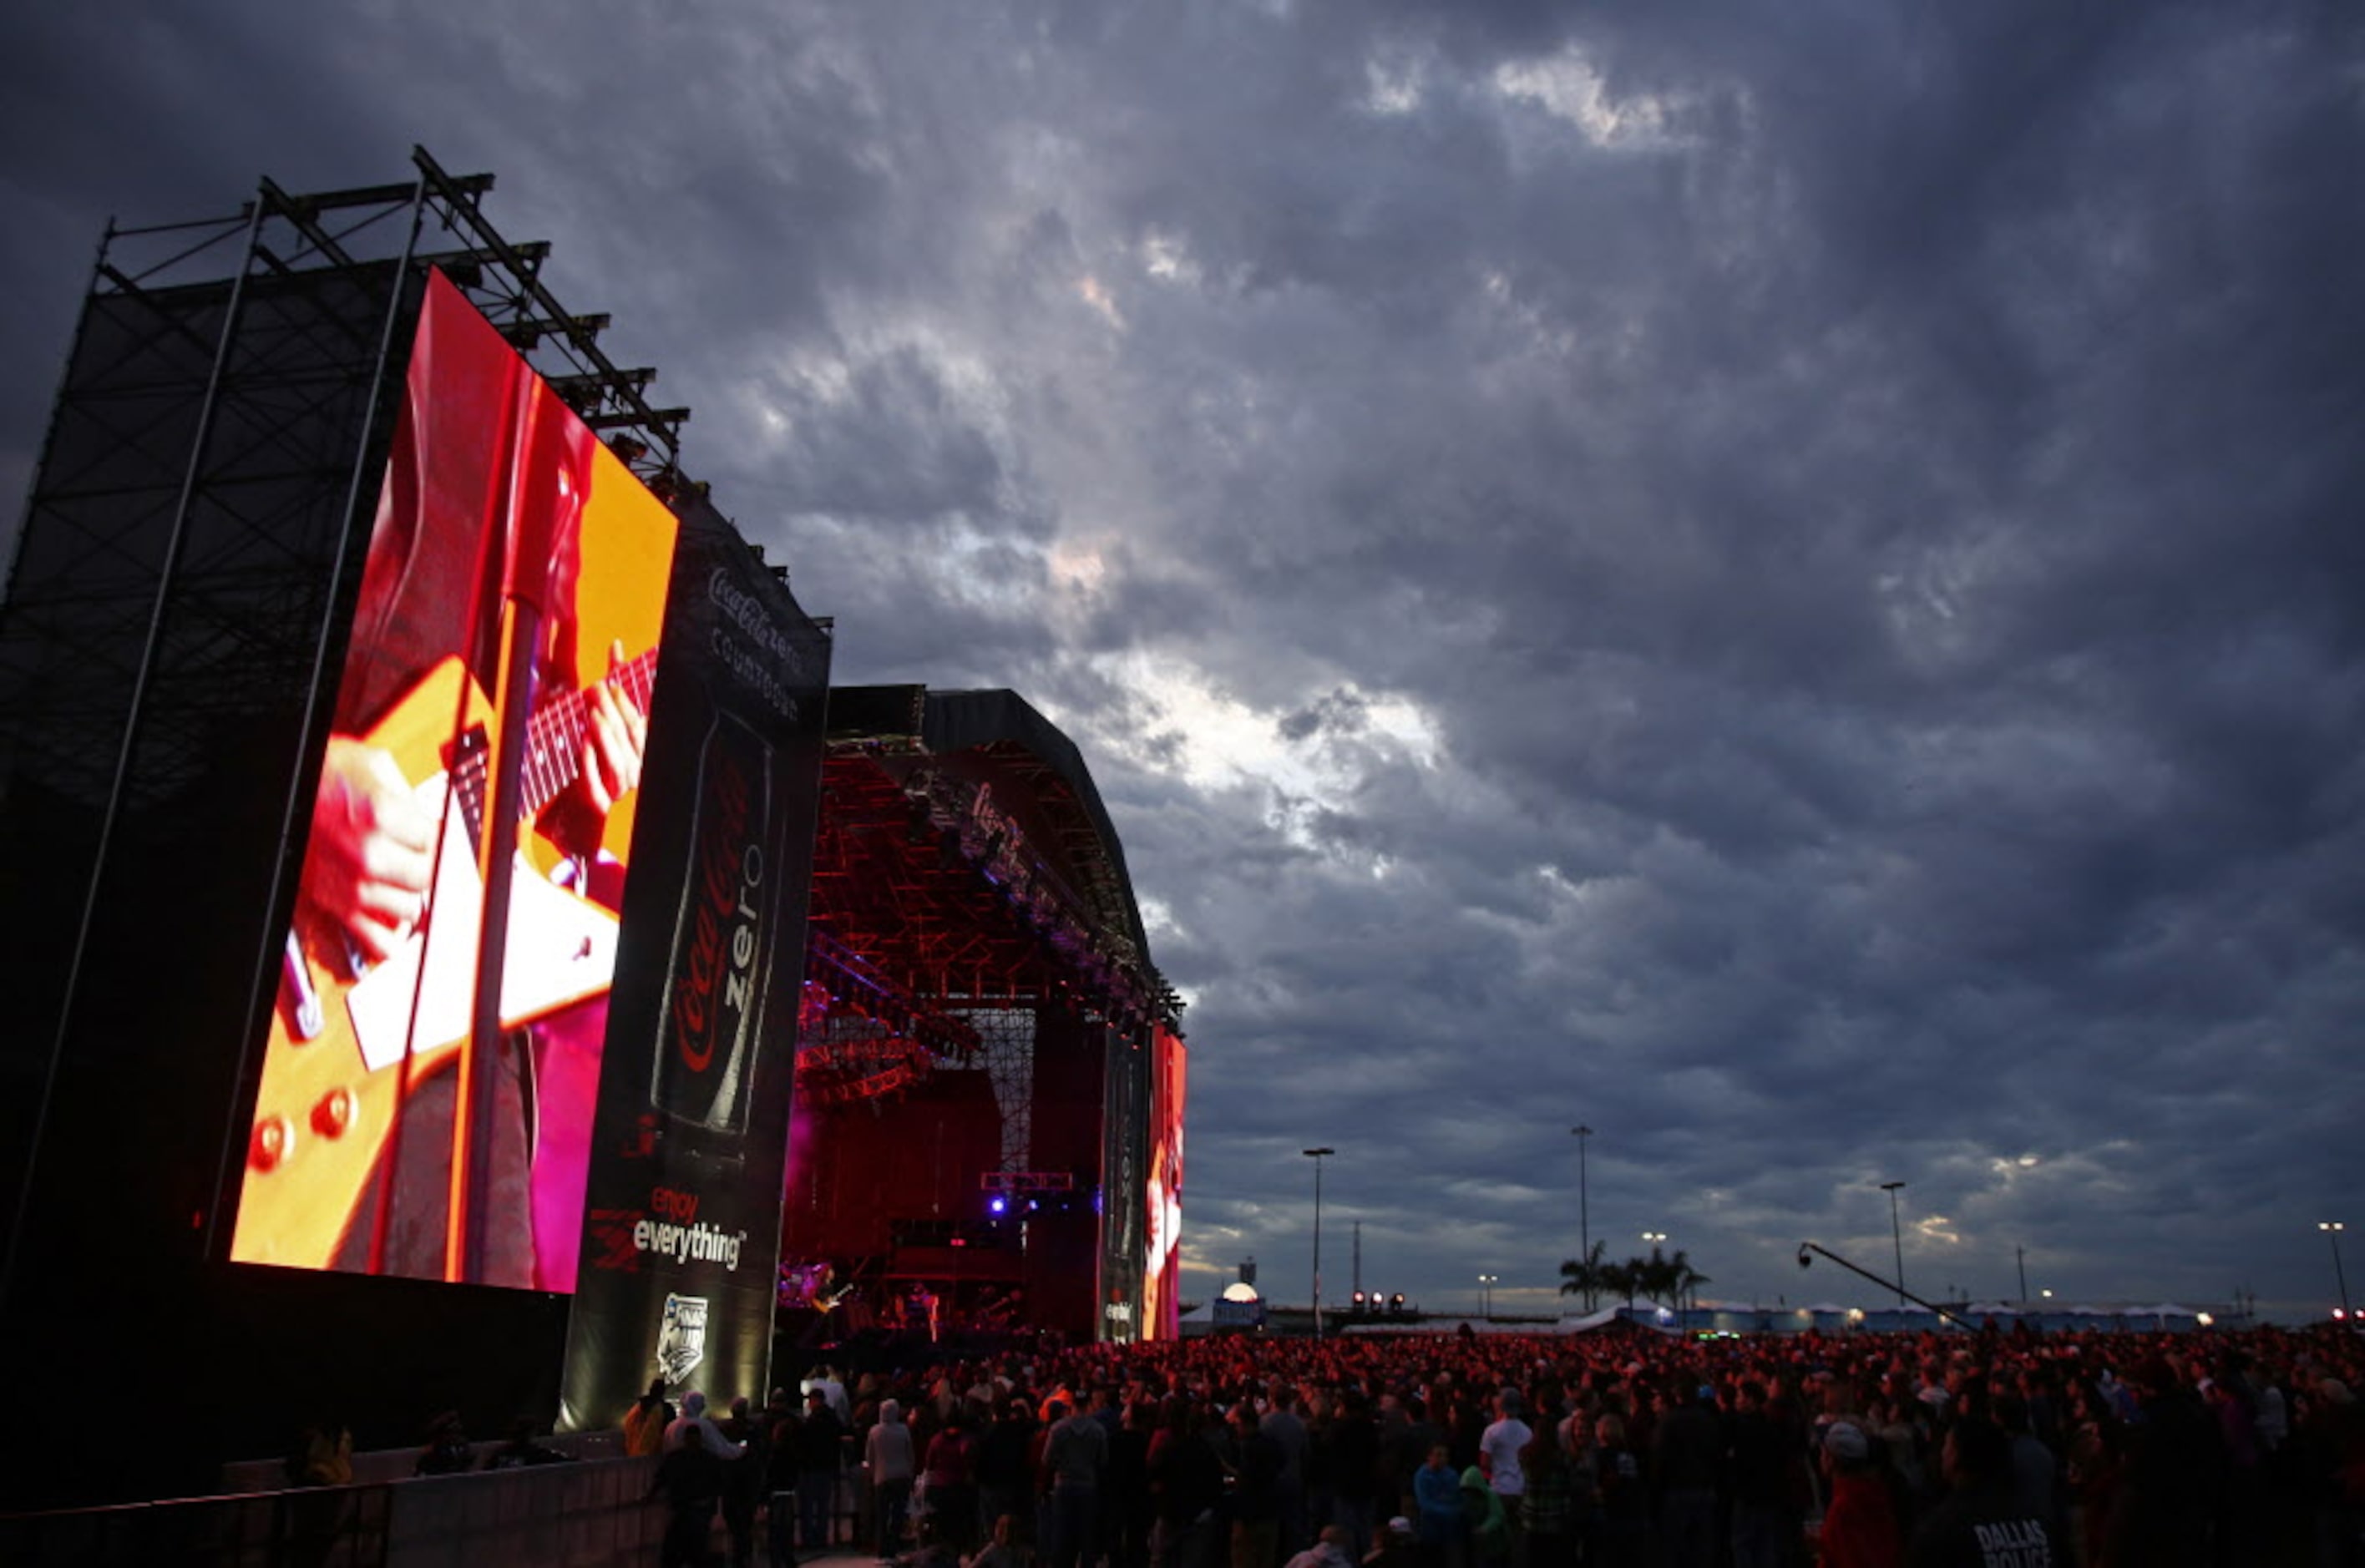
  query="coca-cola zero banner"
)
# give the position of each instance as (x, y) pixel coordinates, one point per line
(682, 1213)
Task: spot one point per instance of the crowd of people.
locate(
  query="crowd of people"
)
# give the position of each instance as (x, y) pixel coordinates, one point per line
(2012, 1450)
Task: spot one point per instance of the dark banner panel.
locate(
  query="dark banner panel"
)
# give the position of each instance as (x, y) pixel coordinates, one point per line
(1163, 1280)
(1124, 1170)
(682, 1216)
(1071, 1106)
(428, 1075)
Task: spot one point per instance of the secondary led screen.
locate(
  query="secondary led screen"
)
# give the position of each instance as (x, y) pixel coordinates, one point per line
(427, 1092)
(1164, 1272)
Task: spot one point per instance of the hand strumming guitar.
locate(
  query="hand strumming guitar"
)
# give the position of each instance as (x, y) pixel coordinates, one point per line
(617, 737)
(370, 848)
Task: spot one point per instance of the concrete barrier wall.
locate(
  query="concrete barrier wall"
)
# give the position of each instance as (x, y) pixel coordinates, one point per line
(590, 1514)
(374, 1465)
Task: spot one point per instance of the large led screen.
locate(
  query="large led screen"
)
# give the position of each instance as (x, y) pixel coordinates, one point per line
(432, 1062)
(1162, 1276)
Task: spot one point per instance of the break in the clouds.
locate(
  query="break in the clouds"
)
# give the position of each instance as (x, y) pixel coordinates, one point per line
(1779, 582)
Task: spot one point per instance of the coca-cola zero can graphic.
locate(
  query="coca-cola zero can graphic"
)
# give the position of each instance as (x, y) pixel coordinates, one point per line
(716, 977)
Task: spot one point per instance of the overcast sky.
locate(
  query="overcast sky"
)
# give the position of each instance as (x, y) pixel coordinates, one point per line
(1780, 581)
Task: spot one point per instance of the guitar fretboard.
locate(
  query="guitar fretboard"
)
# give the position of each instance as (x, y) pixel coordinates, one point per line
(553, 747)
(554, 744)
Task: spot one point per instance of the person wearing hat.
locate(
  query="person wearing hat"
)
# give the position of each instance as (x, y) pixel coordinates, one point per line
(1395, 1547)
(695, 1425)
(1489, 1526)
(646, 1422)
(1860, 1526)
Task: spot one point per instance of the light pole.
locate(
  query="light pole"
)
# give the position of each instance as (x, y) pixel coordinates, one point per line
(1486, 1295)
(1897, 1239)
(1655, 1237)
(1316, 1155)
(2332, 1229)
(1584, 1216)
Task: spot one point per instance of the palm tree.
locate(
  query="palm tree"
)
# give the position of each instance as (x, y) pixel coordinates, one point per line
(1655, 1276)
(1687, 1280)
(1622, 1279)
(1582, 1276)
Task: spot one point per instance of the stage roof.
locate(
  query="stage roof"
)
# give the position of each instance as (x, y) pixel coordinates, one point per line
(965, 861)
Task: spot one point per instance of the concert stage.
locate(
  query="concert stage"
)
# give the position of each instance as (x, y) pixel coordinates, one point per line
(453, 907)
(979, 1116)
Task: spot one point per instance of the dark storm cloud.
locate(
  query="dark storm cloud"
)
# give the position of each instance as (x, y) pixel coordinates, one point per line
(1776, 583)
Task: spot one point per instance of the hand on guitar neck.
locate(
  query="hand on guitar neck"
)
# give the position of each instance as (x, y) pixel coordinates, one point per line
(372, 847)
(615, 738)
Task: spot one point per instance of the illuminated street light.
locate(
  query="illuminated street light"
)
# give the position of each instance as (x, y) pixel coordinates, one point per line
(2332, 1229)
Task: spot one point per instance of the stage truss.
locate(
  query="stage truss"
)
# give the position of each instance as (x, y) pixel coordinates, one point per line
(957, 898)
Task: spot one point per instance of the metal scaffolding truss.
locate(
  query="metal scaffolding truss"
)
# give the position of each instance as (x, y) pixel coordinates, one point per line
(197, 520)
(960, 899)
(210, 458)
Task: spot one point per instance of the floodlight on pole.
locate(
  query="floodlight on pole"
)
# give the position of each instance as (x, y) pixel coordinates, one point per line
(2332, 1229)
(1897, 1239)
(1317, 1156)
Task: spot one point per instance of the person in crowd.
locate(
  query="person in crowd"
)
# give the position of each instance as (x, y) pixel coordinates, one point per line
(1546, 1497)
(323, 1456)
(743, 1479)
(1436, 1491)
(448, 1450)
(950, 1472)
(1186, 1485)
(521, 1449)
(1489, 1527)
(1687, 1466)
(1328, 1550)
(781, 1427)
(690, 1478)
(1761, 1457)
(821, 1445)
(646, 1422)
(2172, 1477)
(1395, 1547)
(1623, 1483)
(889, 1465)
(1004, 1467)
(695, 1425)
(2034, 1471)
(1499, 1448)
(826, 1381)
(1003, 1550)
(1353, 1461)
(1257, 1464)
(1979, 1523)
(1127, 1512)
(1288, 1430)
(1860, 1528)
(1075, 1460)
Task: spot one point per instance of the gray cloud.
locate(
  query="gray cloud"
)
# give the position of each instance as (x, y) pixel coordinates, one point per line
(1777, 584)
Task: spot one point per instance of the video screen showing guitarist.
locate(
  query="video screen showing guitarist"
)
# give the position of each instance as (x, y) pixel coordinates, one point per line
(514, 590)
